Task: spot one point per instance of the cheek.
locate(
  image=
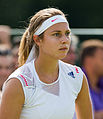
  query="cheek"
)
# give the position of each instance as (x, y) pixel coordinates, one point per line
(50, 44)
(47, 49)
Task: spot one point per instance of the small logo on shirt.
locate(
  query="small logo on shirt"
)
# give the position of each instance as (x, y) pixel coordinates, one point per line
(71, 74)
(54, 20)
(76, 70)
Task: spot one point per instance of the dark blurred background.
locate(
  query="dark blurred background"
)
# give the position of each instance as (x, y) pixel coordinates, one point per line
(81, 13)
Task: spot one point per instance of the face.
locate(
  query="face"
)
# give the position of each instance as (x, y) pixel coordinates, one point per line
(56, 41)
(5, 68)
(98, 61)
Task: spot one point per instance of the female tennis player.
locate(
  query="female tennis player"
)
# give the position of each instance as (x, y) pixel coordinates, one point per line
(44, 87)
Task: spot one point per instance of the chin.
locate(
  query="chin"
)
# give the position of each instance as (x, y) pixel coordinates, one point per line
(62, 57)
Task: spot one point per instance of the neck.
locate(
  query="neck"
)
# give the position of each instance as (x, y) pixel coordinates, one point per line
(47, 69)
(46, 65)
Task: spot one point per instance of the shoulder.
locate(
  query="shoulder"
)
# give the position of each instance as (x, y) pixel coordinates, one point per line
(22, 77)
(13, 90)
(12, 99)
(13, 85)
(25, 69)
(68, 67)
(24, 74)
(74, 74)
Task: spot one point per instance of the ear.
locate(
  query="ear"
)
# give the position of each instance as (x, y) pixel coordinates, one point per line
(36, 39)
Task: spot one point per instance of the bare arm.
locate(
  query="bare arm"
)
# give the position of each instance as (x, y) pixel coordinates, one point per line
(12, 100)
(83, 102)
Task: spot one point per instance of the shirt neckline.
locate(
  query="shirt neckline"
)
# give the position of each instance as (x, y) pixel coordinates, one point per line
(37, 77)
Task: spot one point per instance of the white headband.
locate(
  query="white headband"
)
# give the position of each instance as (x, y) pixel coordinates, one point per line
(49, 22)
(45, 25)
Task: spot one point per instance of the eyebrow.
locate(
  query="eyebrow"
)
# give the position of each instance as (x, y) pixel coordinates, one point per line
(60, 31)
(56, 31)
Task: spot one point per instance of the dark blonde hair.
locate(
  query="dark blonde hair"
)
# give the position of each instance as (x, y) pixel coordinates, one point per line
(27, 41)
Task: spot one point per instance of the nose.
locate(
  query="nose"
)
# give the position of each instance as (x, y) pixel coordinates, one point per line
(65, 39)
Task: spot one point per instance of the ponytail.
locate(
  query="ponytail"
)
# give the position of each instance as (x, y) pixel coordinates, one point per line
(25, 47)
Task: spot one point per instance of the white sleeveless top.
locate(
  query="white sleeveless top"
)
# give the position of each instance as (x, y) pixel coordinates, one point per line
(49, 101)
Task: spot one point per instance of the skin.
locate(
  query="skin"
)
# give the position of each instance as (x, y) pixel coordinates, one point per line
(83, 102)
(6, 68)
(53, 47)
(94, 72)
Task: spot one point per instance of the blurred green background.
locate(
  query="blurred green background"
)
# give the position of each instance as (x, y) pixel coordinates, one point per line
(81, 13)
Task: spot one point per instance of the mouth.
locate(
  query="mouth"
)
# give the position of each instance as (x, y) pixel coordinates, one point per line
(63, 49)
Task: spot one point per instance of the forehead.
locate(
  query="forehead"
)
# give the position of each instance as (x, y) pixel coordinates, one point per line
(63, 26)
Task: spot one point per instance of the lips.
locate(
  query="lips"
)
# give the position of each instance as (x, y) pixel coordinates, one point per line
(63, 48)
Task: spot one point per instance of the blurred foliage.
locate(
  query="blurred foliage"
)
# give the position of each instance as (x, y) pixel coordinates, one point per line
(81, 13)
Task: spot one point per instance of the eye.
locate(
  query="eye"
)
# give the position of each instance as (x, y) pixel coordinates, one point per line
(67, 33)
(57, 34)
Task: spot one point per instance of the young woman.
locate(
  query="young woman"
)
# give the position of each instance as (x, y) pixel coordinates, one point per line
(44, 87)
